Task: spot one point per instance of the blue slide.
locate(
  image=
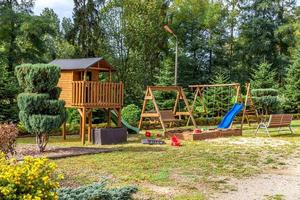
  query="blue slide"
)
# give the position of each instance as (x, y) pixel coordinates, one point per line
(230, 115)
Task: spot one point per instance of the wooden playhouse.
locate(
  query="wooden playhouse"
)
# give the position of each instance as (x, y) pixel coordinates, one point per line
(82, 89)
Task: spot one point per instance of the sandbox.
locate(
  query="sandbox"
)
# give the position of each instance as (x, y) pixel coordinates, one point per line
(208, 134)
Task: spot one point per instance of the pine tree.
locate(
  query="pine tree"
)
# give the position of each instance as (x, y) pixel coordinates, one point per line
(166, 76)
(292, 89)
(218, 99)
(265, 93)
(8, 91)
(264, 77)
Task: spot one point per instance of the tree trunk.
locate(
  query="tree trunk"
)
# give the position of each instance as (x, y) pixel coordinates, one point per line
(42, 141)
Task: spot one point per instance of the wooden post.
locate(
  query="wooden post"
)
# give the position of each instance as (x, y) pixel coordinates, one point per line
(80, 126)
(83, 125)
(90, 116)
(188, 107)
(64, 131)
(245, 107)
(144, 107)
(109, 118)
(110, 76)
(119, 118)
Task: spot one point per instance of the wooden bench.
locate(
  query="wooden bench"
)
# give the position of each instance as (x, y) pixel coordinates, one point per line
(168, 116)
(276, 121)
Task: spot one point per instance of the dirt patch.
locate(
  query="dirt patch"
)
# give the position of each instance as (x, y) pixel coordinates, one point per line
(283, 183)
(166, 191)
(272, 142)
(54, 152)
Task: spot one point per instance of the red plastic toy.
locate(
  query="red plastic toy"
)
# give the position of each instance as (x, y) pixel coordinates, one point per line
(175, 141)
(197, 131)
(148, 134)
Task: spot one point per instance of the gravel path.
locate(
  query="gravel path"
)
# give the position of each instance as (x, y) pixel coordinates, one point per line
(283, 184)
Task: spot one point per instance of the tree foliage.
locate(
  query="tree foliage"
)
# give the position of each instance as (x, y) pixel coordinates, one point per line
(292, 88)
(40, 110)
(237, 37)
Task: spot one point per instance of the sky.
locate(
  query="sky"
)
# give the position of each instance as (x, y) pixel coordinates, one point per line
(63, 8)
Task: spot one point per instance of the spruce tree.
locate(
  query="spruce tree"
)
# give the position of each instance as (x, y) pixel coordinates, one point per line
(40, 110)
(264, 77)
(218, 99)
(8, 91)
(292, 88)
(264, 89)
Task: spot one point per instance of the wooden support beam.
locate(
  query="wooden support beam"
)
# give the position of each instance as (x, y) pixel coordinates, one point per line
(83, 125)
(214, 85)
(188, 107)
(150, 115)
(90, 116)
(80, 126)
(119, 118)
(109, 118)
(164, 88)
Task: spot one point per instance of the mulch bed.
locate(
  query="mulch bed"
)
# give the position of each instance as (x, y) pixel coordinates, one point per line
(55, 152)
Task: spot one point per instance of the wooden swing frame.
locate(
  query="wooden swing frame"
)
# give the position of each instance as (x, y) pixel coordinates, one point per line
(249, 107)
(164, 116)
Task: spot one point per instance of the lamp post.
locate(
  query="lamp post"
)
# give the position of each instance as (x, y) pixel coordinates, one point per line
(167, 28)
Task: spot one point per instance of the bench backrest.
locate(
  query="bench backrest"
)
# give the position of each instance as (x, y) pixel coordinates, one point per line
(167, 115)
(280, 120)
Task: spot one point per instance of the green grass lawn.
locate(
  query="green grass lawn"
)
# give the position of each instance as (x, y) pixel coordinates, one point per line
(192, 171)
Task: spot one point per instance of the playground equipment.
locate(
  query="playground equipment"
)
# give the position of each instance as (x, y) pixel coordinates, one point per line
(165, 116)
(224, 129)
(230, 115)
(247, 106)
(81, 89)
(250, 109)
(125, 124)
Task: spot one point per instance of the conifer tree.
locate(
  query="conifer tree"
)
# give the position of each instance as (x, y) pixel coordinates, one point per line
(218, 99)
(265, 92)
(264, 77)
(292, 88)
(40, 110)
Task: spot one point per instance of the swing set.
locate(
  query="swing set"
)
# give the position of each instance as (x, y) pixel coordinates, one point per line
(248, 105)
(165, 116)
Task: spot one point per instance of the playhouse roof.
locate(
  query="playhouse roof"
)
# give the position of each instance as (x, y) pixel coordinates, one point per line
(83, 64)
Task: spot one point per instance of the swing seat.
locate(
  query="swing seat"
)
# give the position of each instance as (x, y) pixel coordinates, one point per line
(168, 116)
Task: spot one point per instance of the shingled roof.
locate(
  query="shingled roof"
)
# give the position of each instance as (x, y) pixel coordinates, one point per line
(83, 64)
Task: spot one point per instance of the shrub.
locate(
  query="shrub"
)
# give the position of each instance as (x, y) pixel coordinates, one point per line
(266, 100)
(32, 179)
(131, 114)
(40, 110)
(8, 135)
(96, 191)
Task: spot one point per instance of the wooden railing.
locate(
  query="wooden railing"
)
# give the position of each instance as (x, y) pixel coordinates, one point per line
(97, 94)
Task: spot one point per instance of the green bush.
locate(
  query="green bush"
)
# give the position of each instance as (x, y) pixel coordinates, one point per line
(96, 191)
(264, 92)
(40, 110)
(38, 78)
(266, 100)
(131, 114)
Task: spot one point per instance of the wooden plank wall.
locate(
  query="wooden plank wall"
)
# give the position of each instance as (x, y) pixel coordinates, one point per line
(65, 83)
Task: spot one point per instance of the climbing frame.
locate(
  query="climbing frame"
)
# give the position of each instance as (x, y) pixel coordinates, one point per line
(250, 108)
(165, 116)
